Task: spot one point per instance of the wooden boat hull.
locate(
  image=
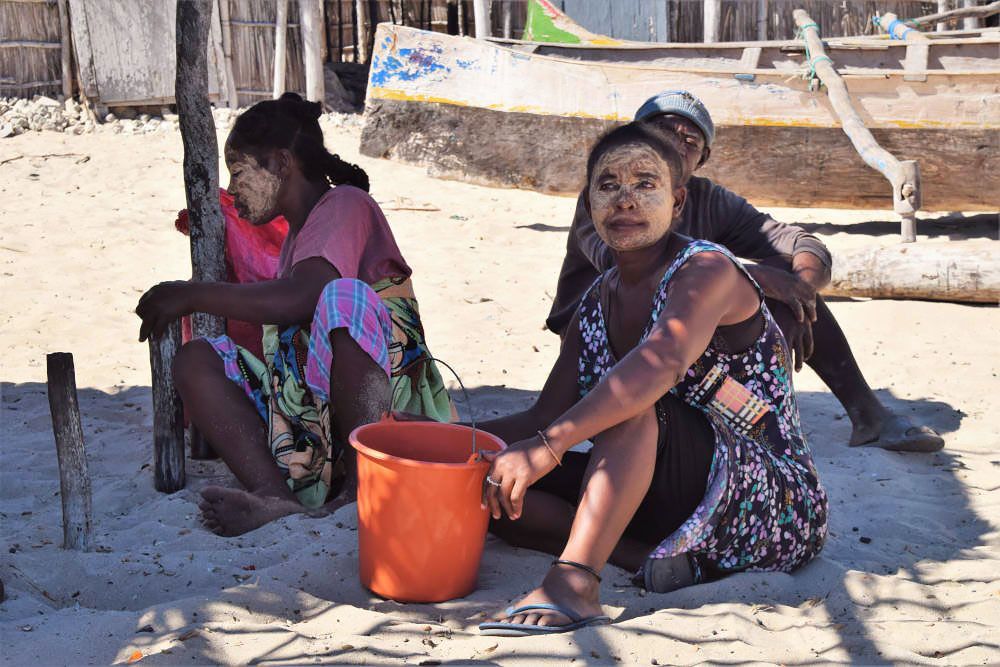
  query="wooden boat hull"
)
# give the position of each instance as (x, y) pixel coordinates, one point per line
(524, 115)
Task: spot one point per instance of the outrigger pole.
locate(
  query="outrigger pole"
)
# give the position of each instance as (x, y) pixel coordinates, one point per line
(903, 175)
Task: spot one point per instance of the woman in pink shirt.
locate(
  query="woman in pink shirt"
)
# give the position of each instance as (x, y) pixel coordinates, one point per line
(342, 341)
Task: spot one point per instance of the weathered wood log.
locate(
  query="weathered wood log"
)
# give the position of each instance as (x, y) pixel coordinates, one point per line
(311, 27)
(942, 6)
(903, 177)
(168, 413)
(201, 158)
(966, 271)
(71, 455)
(280, 41)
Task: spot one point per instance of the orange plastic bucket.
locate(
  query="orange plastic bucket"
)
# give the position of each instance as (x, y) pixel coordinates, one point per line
(421, 529)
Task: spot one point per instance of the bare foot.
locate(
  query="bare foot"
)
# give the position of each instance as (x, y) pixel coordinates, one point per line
(896, 433)
(566, 587)
(231, 512)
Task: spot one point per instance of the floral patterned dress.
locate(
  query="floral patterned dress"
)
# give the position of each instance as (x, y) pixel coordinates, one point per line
(763, 508)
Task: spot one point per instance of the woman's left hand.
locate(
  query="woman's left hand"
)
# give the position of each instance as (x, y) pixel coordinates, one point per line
(161, 305)
(514, 469)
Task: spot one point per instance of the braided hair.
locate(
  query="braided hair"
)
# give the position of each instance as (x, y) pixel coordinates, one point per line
(292, 123)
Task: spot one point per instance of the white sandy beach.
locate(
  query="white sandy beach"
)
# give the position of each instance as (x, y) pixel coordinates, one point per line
(910, 574)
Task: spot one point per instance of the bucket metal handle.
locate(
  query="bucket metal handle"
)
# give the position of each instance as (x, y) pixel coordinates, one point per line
(465, 393)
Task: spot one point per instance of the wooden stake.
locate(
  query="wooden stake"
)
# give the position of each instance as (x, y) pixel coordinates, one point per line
(712, 15)
(310, 25)
(507, 19)
(74, 479)
(64, 42)
(361, 9)
(904, 177)
(943, 6)
(971, 22)
(227, 53)
(201, 159)
(762, 20)
(168, 413)
(481, 16)
(280, 40)
(201, 155)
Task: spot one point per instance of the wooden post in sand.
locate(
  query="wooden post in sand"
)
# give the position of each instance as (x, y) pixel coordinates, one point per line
(74, 479)
(712, 20)
(481, 17)
(64, 40)
(904, 176)
(942, 6)
(168, 413)
(280, 49)
(201, 166)
(361, 10)
(311, 27)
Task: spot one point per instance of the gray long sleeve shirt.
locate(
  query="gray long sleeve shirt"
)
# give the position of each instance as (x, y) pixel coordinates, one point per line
(711, 212)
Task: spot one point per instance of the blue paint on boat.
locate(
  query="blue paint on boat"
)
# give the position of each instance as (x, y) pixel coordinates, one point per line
(406, 65)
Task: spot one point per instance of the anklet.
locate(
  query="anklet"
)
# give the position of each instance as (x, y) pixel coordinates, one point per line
(579, 566)
(552, 452)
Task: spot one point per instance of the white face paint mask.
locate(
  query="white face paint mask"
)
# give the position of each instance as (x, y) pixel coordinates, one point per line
(254, 188)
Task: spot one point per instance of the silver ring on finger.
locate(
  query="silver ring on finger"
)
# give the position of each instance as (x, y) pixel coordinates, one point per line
(492, 482)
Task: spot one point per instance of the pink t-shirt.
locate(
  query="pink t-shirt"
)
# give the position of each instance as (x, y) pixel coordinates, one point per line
(347, 229)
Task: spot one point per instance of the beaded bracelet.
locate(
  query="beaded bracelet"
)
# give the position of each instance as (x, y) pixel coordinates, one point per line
(552, 452)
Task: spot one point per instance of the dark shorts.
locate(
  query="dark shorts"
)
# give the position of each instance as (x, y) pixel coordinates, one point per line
(684, 450)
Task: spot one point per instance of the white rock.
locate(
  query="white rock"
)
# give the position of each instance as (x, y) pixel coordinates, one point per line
(44, 101)
(6, 130)
(110, 118)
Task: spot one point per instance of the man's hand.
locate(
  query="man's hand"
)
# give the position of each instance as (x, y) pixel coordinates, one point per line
(787, 288)
(796, 316)
(161, 305)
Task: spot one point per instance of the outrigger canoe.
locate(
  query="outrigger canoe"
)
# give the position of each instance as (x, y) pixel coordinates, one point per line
(523, 113)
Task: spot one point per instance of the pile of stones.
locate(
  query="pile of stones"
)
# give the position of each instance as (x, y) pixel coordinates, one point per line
(44, 114)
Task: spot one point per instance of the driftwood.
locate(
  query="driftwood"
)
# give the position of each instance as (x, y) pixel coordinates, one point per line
(64, 42)
(903, 176)
(74, 479)
(953, 271)
(168, 413)
(280, 49)
(201, 162)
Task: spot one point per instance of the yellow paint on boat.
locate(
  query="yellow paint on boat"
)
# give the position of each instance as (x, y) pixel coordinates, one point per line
(405, 96)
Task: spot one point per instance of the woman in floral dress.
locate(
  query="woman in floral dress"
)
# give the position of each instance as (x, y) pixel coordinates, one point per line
(681, 378)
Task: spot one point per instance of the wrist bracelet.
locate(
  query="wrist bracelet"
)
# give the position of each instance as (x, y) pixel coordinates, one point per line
(552, 452)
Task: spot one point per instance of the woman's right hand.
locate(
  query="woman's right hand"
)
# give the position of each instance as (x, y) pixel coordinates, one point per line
(161, 305)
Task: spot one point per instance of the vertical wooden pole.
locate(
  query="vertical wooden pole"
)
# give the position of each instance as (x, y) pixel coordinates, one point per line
(201, 166)
(227, 53)
(971, 22)
(942, 6)
(508, 19)
(280, 40)
(481, 16)
(461, 17)
(74, 478)
(168, 413)
(762, 19)
(712, 19)
(362, 30)
(64, 41)
(310, 25)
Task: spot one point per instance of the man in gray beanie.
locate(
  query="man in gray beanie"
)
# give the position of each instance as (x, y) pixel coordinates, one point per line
(791, 266)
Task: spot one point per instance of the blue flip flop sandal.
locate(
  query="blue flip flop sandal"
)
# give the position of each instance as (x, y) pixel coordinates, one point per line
(499, 629)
